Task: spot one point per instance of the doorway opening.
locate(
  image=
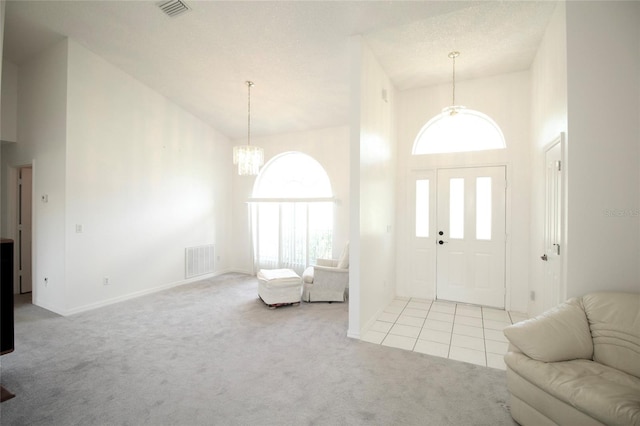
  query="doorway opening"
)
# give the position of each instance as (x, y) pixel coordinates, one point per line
(24, 231)
(20, 229)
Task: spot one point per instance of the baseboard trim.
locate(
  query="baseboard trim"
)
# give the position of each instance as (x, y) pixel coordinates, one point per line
(129, 296)
(373, 319)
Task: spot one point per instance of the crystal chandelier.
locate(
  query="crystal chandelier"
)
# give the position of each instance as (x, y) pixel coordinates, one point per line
(248, 158)
(458, 129)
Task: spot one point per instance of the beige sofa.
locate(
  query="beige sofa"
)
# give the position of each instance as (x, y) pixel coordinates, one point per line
(577, 364)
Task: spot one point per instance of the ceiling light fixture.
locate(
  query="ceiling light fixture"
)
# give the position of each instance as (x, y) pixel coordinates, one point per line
(458, 129)
(248, 158)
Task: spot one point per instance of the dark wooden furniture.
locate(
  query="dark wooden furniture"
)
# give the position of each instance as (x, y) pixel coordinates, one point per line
(6, 305)
(6, 296)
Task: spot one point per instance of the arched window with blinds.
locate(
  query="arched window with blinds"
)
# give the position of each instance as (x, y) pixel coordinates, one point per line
(292, 210)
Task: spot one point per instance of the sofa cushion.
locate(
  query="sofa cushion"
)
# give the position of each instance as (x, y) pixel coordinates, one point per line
(604, 393)
(614, 319)
(559, 334)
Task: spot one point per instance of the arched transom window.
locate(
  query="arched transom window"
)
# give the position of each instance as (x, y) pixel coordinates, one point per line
(458, 129)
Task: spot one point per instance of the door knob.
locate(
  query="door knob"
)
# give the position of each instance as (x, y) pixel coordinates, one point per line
(544, 257)
(442, 242)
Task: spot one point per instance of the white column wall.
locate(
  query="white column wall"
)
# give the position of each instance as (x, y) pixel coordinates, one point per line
(330, 147)
(506, 99)
(549, 119)
(42, 112)
(603, 74)
(9, 104)
(375, 168)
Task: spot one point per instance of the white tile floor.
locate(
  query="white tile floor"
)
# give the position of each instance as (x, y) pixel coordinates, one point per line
(450, 330)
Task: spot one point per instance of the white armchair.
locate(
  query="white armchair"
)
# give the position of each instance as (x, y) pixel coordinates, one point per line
(328, 280)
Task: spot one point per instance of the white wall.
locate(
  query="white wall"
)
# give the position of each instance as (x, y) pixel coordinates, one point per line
(375, 180)
(549, 119)
(42, 108)
(9, 120)
(142, 177)
(505, 98)
(330, 147)
(603, 74)
(145, 180)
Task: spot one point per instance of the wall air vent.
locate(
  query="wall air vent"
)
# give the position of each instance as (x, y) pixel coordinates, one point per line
(199, 261)
(173, 8)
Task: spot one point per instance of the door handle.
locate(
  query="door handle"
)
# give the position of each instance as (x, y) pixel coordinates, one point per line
(544, 257)
(442, 242)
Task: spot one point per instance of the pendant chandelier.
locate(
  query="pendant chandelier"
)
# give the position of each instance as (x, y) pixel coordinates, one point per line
(248, 158)
(458, 129)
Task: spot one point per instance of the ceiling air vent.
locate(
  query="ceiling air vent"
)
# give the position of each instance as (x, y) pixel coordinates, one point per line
(174, 8)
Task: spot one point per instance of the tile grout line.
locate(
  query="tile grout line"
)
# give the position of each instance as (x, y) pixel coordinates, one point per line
(414, 343)
(484, 338)
(396, 322)
(425, 321)
(422, 326)
(400, 314)
(455, 310)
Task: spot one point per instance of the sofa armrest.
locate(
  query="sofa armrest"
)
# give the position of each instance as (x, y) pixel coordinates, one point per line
(331, 269)
(333, 279)
(560, 334)
(331, 263)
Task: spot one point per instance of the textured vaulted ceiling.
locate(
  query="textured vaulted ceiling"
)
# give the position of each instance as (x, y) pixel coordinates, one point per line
(296, 52)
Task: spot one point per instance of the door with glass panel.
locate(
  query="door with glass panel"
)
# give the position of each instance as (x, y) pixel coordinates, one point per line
(422, 263)
(470, 240)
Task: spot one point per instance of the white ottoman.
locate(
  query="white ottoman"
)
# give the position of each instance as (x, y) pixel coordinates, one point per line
(277, 287)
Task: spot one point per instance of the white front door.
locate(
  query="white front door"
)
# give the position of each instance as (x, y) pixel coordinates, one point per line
(470, 240)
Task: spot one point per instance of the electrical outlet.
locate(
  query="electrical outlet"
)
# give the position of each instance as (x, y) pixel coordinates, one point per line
(105, 281)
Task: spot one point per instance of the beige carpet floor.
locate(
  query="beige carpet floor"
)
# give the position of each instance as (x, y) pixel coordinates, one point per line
(211, 353)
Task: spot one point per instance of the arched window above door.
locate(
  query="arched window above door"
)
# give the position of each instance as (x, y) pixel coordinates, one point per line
(458, 129)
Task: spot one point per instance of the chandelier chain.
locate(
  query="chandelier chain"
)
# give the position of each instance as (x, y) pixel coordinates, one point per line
(454, 80)
(249, 84)
(453, 55)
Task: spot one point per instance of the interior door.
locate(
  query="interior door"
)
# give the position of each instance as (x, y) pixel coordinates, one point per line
(24, 229)
(553, 290)
(470, 258)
